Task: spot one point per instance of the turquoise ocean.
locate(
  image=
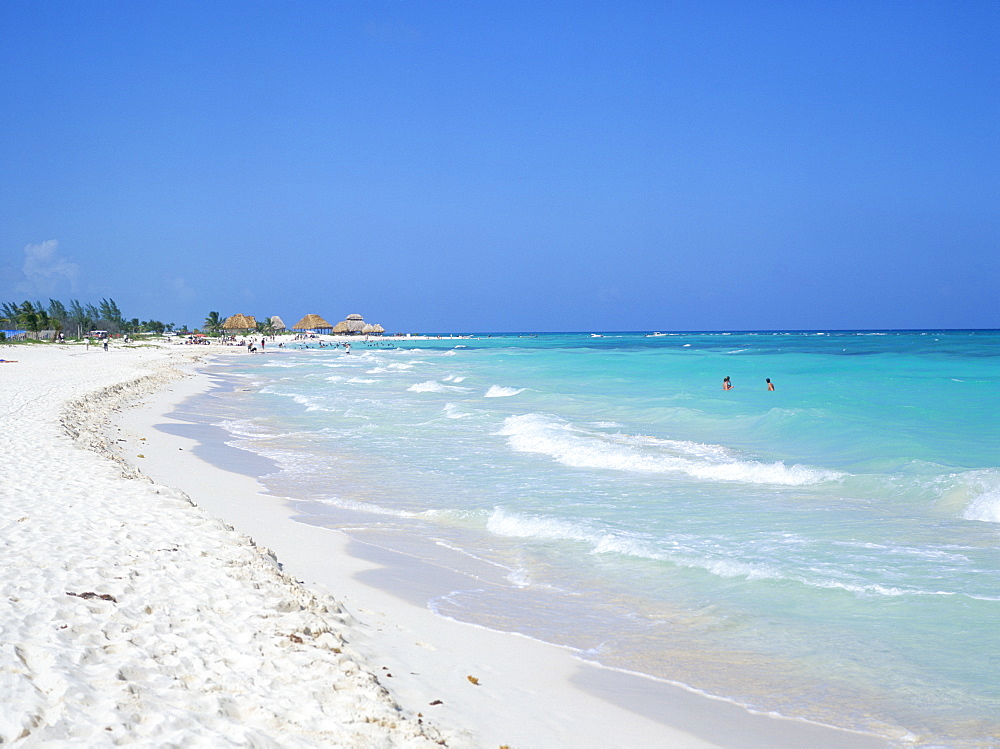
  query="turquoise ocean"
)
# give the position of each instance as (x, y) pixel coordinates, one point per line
(826, 551)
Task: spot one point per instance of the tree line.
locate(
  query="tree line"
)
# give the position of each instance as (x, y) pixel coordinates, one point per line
(77, 319)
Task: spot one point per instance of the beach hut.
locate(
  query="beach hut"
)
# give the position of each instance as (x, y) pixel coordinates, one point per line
(239, 324)
(355, 323)
(277, 324)
(313, 323)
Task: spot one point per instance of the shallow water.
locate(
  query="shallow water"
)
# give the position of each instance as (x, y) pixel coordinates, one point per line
(827, 550)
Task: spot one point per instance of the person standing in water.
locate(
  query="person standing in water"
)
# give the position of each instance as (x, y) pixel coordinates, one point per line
(770, 385)
(726, 384)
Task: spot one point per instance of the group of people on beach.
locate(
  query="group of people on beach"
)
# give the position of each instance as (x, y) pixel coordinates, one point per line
(727, 384)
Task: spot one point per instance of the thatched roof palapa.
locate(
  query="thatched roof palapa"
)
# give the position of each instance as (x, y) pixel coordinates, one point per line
(277, 323)
(312, 322)
(355, 324)
(240, 322)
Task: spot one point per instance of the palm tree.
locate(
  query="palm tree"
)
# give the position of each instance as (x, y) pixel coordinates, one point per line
(33, 318)
(9, 312)
(213, 323)
(79, 316)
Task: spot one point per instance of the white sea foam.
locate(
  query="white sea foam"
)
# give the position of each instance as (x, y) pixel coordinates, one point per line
(604, 541)
(452, 411)
(433, 386)
(499, 391)
(309, 403)
(600, 540)
(581, 448)
(985, 507)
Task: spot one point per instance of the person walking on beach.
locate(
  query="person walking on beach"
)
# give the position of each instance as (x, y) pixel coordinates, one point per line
(105, 344)
(726, 384)
(770, 385)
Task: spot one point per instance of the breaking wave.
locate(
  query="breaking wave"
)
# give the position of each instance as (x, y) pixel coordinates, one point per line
(499, 391)
(581, 448)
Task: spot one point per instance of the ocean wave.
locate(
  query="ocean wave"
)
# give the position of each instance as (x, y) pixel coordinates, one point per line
(985, 507)
(309, 403)
(452, 411)
(371, 507)
(635, 545)
(601, 541)
(499, 391)
(433, 386)
(581, 448)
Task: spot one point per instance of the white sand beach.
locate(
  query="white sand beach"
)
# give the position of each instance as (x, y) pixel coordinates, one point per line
(152, 597)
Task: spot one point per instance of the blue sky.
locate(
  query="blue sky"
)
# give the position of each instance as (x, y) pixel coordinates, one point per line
(482, 166)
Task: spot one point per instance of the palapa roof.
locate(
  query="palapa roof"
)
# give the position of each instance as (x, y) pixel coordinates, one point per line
(356, 324)
(311, 322)
(240, 322)
(277, 323)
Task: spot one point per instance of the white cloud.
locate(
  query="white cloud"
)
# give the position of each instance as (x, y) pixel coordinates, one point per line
(45, 272)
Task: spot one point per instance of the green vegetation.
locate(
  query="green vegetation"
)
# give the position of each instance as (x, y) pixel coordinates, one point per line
(213, 323)
(41, 320)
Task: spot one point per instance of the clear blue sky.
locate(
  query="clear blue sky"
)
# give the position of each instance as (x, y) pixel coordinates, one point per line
(459, 166)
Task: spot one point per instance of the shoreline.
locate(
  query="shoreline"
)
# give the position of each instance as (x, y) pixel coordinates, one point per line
(640, 709)
(157, 596)
(133, 615)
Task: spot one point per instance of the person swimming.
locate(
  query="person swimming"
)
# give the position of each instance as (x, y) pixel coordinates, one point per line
(726, 384)
(770, 385)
